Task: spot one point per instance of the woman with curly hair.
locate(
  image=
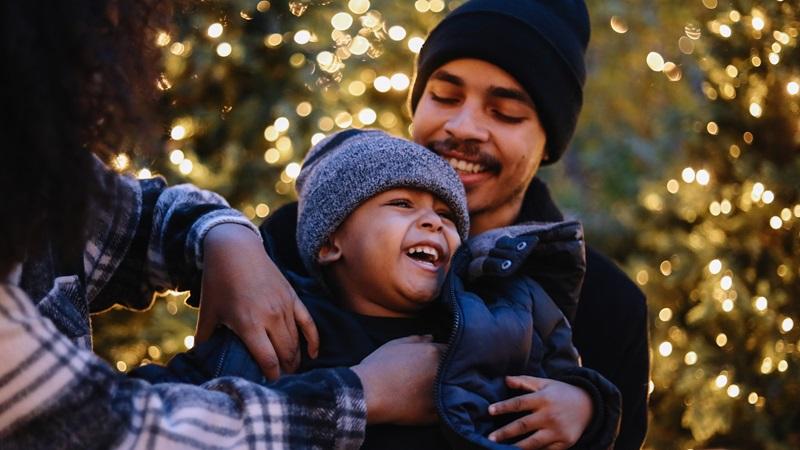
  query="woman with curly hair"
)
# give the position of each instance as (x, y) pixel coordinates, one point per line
(77, 238)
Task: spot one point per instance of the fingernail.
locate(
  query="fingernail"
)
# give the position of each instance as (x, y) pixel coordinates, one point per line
(492, 410)
(492, 437)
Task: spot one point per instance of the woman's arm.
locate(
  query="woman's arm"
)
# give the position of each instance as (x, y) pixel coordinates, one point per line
(54, 392)
(154, 237)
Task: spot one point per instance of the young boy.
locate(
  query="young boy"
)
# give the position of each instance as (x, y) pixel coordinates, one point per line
(380, 223)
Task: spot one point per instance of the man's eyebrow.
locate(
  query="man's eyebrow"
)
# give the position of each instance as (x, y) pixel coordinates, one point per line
(448, 77)
(511, 94)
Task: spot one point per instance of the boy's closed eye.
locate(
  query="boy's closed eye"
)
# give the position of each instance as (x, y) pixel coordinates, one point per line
(447, 214)
(400, 203)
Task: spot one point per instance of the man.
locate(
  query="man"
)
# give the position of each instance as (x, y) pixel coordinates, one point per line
(76, 237)
(498, 92)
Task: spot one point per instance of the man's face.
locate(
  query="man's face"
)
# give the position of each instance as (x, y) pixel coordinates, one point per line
(480, 119)
(390, 256)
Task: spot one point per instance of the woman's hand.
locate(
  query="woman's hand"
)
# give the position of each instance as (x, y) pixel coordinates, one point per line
(559, 414)
(244, 290)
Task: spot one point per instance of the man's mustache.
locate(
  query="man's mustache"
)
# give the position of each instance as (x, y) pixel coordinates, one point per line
(469, 148)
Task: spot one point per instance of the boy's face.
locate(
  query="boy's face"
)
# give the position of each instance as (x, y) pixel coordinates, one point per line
(390, 256)
(479, 118)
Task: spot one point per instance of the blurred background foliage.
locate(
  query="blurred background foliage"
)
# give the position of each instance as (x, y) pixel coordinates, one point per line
(685, 169)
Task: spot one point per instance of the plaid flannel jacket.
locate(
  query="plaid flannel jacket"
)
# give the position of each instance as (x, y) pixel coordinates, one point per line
(55, 393)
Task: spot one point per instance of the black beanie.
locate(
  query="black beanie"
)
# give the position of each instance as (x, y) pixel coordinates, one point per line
(541, 43)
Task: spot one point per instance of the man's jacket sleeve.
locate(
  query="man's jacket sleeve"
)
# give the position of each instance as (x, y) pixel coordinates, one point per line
(53, 393)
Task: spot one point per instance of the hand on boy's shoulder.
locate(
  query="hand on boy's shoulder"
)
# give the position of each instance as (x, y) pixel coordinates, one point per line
(245, 291)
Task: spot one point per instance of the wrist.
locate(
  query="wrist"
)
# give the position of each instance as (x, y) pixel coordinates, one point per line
(375, 410)
(229, 233)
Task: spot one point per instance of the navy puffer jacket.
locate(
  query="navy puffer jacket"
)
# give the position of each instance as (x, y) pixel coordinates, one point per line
(504, 323)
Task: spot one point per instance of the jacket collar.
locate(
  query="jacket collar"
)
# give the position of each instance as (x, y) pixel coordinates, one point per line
(538, 204)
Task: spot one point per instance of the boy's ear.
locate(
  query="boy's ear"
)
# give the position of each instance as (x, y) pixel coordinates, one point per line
(329, 252)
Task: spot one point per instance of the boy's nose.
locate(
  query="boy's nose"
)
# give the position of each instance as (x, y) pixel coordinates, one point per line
(431, 220)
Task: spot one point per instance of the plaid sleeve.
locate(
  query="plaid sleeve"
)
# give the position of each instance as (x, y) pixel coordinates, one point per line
(150, 239)
(53, 393)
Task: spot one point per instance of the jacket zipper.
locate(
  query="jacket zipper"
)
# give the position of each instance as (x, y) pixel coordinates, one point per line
(221, 360)
(454, 334)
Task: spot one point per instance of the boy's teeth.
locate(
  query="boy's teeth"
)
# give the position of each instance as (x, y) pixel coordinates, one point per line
(465, 166)
(426, 250)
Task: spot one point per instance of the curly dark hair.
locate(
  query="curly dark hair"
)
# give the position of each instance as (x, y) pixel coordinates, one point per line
(80, 80)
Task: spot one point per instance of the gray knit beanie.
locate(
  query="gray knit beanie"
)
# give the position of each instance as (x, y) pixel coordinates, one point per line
(350, 167)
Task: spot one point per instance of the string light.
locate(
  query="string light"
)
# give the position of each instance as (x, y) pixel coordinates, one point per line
(302, 37)
(224, 49)
(415, 44)
(397, 33)
(619, 25)
(281, 124)
(262, 210)
(341, 21)
(214, 30)
(688, 175)
(178, 132)
(655, 61)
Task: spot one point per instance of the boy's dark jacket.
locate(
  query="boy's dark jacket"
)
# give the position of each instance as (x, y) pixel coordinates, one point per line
(503, 323)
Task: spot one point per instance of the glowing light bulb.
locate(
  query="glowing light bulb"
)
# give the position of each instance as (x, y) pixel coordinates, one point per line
(382, 84)
(214, 30)
(397, 33)
(655, 61)
(178, 132)
(281, 124)
(293, 170)
(302, 37)
(400, 81)
(224, 49)
(703, 177)
(341, 21)
(415, 44)
(367, 116)
(688, 175)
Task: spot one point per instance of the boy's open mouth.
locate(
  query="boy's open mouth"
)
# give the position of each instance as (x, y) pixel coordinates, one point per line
(425, 254)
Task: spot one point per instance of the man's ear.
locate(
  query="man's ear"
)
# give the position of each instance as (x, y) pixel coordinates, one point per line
(329, 252)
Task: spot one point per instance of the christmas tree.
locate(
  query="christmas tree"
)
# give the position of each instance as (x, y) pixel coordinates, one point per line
(717, 241)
